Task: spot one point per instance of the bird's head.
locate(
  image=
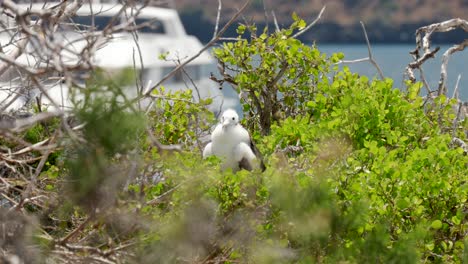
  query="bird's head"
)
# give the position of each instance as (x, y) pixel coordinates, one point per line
(229, 118)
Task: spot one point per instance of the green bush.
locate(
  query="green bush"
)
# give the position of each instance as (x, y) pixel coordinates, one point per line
(373, 145)
(358, 171)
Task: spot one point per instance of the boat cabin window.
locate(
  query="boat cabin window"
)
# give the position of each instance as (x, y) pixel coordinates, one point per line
(146, 25)
(193, 72)
(98, 23)
(95, 23)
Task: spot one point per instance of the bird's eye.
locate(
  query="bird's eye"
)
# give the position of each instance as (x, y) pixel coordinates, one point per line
(233, 118)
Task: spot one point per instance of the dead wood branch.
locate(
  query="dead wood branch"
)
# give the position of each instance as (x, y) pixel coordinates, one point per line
(161, 147)
(370, 58)
(317, 19)
(455, 94)
(218, 15)
(20, 124)
(443, 68)
(423, 50)
(417, 63)
(462, 144)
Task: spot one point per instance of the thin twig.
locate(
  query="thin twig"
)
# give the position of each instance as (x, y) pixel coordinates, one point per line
(158, 198)
(418, 62)
(161, 146)
(443, 67)
(423, 79)
(455, 94)
(218, 15)
(311, 24)
(277, 28)
(371, 58)
(23, 123)
(353, 61)
(457, 118)
(265, 14)
(64, 240)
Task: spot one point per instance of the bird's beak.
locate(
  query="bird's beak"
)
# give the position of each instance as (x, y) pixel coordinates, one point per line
(225, 123)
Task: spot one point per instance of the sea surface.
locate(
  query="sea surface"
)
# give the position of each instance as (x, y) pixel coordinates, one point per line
(393, 59)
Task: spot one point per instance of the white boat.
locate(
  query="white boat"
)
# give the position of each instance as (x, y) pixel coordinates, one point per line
(163, 34)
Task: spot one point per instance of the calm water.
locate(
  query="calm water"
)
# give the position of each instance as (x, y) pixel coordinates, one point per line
(393, 60)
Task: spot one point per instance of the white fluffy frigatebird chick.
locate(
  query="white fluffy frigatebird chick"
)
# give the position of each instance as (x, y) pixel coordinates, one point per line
(232, 143)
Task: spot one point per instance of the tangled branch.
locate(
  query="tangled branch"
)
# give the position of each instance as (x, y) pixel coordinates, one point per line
(423, 50)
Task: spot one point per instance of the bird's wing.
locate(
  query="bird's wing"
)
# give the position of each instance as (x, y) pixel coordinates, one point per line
(207, 151)
(246, 154)
(245, 164)
(216, 132)
(257, 153)
(244, 135)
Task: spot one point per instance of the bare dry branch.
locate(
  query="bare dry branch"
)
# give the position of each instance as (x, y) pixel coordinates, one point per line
(455, 94)
(423, 43)
(371, 58)
(161, 147)
(277, 28)
(311, 24)
(462, 144)
(353, 61)
(70, 235)
(218, 15)
(13, 124)
(443, 68)
(418, 62)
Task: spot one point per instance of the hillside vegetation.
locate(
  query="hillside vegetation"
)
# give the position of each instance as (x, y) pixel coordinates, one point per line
(386, 20)
(358, 171)
(342, 12)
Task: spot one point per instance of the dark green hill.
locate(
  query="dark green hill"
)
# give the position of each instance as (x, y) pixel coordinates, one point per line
(386, 21)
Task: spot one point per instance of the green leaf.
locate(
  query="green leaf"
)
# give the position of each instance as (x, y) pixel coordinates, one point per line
(294, 16)
(301, 24)
(430, 246)
(241, 29)
(436, 224)
(456, 220)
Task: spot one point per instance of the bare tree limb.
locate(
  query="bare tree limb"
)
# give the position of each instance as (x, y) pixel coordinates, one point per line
(277, 28)
(423, 42)
(462, 144)
(371, 58)
(70, 235)
(37, 147)
(457, 118)
(311, 24)
(423, 79)
(14, 124)
(265, 14)
(218, 15)
(455, 94)
(161, 147)
(417, 63)
(443, 68)
(353, 61)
